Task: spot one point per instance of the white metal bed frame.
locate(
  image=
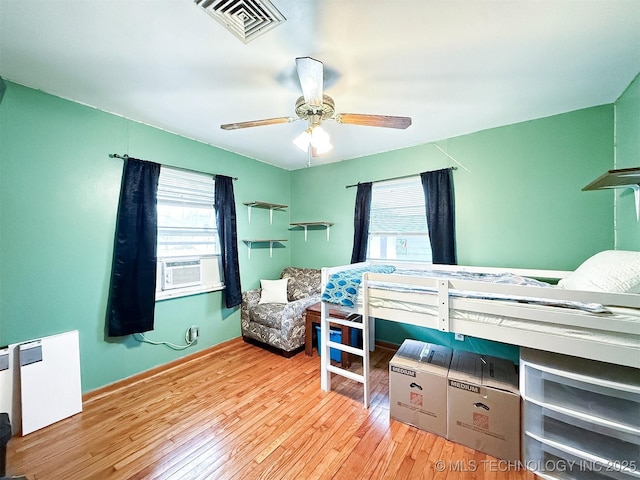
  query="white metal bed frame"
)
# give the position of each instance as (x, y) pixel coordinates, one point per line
(564, 342)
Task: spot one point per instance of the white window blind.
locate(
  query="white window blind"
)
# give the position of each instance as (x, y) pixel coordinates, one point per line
(185, 188)
(186, 215)
(398, 222)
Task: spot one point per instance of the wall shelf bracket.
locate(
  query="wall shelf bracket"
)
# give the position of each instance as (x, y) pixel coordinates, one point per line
(269, 205)
(271, 242)
(306, 225)
(620, 178)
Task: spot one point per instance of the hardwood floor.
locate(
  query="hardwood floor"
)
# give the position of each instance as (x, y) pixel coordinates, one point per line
(240, 412)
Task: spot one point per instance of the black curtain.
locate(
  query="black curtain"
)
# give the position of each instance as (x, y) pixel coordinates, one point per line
(132, 296)
(226, 220)
(438, 196)
(361, 223)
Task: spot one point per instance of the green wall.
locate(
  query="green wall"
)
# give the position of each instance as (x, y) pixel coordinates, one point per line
(58, 198)
(518, 201)
(519, 204)
(627, 156)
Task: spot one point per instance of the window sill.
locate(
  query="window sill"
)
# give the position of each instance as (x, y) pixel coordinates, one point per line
(184, 292)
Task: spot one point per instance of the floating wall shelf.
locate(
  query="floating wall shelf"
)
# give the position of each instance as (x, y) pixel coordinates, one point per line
(270, 241)
(620, 178)
(269, 205)
(306, 226)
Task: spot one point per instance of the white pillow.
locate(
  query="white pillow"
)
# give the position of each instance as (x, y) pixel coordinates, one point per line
(615, 271)
(273, 291)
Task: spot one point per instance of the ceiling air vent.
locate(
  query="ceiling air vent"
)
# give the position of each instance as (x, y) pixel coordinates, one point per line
(246, 19)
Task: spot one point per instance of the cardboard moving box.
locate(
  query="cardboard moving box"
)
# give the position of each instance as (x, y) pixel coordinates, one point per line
(484, 405)
(418, 385)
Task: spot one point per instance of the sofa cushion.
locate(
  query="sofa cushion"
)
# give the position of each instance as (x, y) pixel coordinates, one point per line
(302, 282)
(273, 291)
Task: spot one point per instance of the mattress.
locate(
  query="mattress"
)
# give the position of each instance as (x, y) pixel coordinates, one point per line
(344, 288)
(590, 334)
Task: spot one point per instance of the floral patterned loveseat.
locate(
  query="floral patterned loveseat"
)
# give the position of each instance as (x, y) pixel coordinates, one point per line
(281, 326)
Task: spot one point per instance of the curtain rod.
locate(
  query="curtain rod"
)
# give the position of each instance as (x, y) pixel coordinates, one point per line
(394, 178)
(125, 157)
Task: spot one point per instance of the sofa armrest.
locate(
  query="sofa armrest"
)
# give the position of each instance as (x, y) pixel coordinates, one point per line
(307, 301)
(250, 299)
(293, 313)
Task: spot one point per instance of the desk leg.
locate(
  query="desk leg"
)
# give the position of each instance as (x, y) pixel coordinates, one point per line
(345, 358)
(308, 335)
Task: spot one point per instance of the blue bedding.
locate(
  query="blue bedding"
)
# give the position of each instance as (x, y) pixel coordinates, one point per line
(342, 287)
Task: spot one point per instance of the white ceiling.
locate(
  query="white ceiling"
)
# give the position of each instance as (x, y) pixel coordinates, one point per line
(455, 67)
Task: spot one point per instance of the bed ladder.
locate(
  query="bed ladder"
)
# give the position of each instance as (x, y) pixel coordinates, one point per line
(360, 322)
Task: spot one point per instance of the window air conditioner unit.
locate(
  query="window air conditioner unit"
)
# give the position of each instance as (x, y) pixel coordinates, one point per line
(181, 273)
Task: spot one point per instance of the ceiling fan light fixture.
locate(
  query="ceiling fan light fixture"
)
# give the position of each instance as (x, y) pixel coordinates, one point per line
(319, 138)
(314, 107)
(315, 137)
(303, 140)
(324, 148)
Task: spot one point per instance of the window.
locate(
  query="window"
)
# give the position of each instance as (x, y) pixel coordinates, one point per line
(398, 222)
(188, 245)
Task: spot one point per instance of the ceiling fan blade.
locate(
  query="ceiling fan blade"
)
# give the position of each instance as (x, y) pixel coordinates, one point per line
(257, 123)
(311, 79)
(387, 121)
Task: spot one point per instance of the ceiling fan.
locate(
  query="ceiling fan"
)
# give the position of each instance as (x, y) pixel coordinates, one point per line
(314, 106)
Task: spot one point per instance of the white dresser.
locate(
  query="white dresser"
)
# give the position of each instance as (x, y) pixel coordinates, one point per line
(580, 418)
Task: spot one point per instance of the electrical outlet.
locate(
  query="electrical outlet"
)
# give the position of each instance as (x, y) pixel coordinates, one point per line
(193, 333)
(460, 337)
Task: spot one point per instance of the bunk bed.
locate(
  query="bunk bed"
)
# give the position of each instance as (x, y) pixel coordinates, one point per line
(598, 325)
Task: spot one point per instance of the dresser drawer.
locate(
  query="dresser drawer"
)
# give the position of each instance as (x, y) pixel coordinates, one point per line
(580, 418)
(552, 463)
(583, 397)
(585, 439)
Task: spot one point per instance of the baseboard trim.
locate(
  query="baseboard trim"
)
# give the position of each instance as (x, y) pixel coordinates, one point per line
(126, 382)
(387, 345)
(138, 377)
